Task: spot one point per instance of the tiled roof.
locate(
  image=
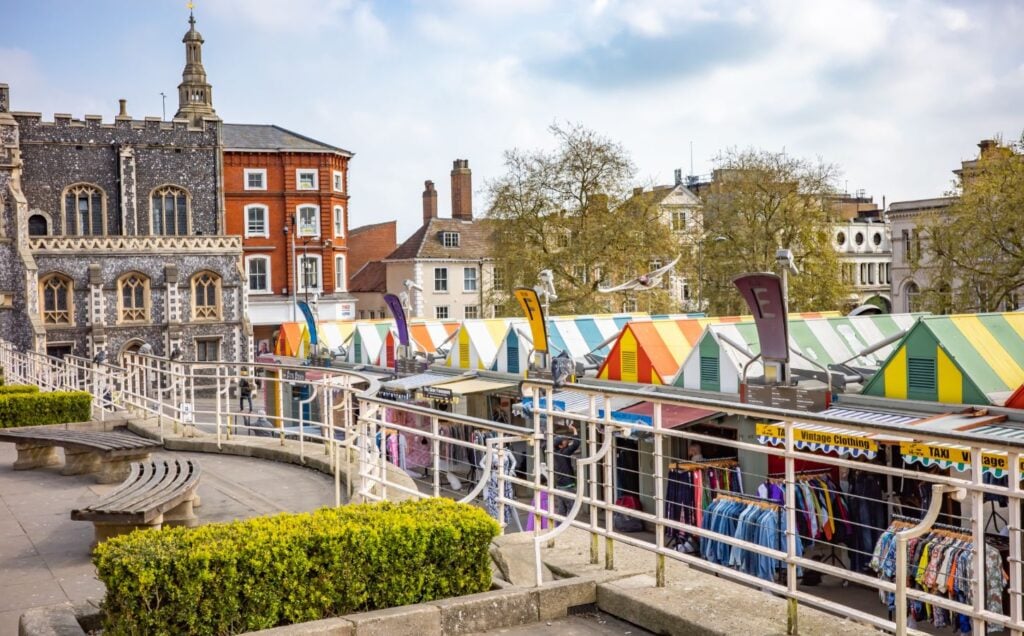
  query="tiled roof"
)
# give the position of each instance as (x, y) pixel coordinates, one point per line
(921, 204)
(371, 277)
(474, 241)
(271, 137)
(365, 228)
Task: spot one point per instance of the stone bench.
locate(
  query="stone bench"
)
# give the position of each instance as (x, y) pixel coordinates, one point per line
(107, 454)
(156, 493)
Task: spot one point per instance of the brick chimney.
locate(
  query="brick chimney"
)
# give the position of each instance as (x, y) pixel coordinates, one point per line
(987, 146)
(462, 190)
(429, 202)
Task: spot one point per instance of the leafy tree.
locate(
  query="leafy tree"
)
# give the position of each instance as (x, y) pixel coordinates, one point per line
(572, 211)
(761, 201)
(973, 250)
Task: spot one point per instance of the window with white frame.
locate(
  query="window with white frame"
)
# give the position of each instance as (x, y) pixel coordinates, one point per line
(440, 279)
(678, 220)
(309, 273)
(339, 182)
(450, 239)
(469, 279)
(471, 311)
(339, 221)
(255, 179)
(258, 272)
(441, 312)
(306, 179)
(256, 223)
(340, 280)
(308, 219)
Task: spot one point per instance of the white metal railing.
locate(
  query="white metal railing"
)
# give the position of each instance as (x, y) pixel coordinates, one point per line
(335, 413)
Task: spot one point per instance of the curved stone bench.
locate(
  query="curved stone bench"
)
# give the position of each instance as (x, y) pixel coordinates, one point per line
(156, 493)
(109, 454)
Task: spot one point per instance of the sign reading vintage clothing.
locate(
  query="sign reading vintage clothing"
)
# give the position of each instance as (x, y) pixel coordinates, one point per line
(825, 439)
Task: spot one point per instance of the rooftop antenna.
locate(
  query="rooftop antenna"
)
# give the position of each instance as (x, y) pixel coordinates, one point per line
(691, 156)
(163, 105)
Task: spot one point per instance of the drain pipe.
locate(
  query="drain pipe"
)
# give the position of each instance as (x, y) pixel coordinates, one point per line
(903, 536)
(577, 503)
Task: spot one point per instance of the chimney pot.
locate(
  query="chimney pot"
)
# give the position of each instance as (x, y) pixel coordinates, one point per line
(637, 191)
(429, 202)
(987, 145)
(679, 176)
(123, 103)
(462, 190)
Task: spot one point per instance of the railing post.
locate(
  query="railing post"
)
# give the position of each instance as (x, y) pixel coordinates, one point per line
(1013, 531)
(609, 488)
(978, 534)
(219, 405)
(435, 451)
(792, 624)
(591, 428)
(659, 495)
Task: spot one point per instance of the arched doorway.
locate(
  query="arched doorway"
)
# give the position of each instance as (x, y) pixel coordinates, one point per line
(883, 303)
(912, 293)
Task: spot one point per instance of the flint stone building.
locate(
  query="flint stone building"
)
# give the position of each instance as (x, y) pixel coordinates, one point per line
(112, 235)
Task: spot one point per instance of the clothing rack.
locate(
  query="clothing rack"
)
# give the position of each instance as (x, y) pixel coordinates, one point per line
(942, 528)
(704, 463)
(814, 472)
(750, 499)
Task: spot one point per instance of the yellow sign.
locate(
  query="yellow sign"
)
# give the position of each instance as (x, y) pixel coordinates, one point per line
(823, 438)
(530, 303)
(957, 455)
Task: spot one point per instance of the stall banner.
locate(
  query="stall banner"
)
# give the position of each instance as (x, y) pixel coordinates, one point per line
(310, 322)
(956, 457)
(530, 303)
(763, 293)
(842, 442)
(395, 305)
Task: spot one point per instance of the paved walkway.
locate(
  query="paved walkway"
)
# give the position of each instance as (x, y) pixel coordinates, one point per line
(593, 624)
(45, 556)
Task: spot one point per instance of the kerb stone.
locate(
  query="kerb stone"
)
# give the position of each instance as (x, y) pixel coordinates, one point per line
(325, 627)
(489, 610)
(421, 620)
(554, 599)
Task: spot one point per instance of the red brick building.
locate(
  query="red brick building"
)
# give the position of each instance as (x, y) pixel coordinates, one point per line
(287, 196)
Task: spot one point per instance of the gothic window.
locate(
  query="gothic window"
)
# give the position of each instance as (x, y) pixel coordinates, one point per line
(206, 296)
(38, 225)
(133, 298)
(84, 213)
(56, 300)
(170, 211)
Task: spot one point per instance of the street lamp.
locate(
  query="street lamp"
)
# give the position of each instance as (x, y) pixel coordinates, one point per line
(784, 258)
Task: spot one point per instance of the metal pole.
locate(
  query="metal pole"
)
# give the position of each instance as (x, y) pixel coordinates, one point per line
(1013, 532)
(792, 616)
(659, 494)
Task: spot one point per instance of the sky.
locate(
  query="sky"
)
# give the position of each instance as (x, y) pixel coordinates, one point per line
(895, 94)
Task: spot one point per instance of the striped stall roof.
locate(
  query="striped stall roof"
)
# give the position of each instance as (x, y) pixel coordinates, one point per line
(960, 359)
(716, 365)
(575, 335)
(652, 351)
(476, 343)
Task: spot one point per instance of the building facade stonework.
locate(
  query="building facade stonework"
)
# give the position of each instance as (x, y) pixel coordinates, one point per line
(112, 235)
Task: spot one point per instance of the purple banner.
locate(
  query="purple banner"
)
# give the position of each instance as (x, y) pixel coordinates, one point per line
(763, 293)
(395, 305)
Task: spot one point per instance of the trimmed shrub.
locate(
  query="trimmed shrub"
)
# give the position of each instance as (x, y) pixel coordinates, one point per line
(51, 407)
(18, 388)
(229, 578)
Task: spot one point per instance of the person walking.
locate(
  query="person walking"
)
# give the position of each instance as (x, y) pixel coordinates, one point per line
(245, 391)
(565, 470)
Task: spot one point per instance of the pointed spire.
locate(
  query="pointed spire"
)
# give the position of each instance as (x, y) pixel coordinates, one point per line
(195, 95)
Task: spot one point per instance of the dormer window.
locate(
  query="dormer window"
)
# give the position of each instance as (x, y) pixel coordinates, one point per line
(450, 239)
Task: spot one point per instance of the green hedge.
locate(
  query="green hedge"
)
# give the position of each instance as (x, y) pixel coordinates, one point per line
(18, 388)
(292, 568)
(51, 407)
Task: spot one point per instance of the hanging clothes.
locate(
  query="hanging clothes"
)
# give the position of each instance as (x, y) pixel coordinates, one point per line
(822, 512)
(540, 502)
(693, 486)
(756, 522)
(491, 489)
(942, 563)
